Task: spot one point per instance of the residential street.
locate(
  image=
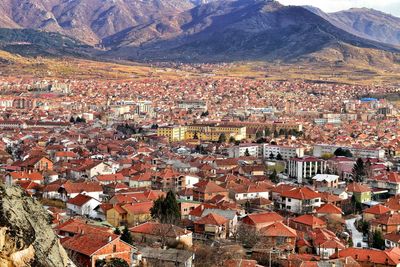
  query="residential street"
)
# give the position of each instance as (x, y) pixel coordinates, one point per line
(355, 234)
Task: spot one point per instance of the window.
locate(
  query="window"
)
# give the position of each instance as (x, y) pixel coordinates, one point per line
(114, 248)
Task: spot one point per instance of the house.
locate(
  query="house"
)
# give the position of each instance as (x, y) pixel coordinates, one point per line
(83, 205)
(230, 215)
(18, 176)
(375, 212)
(212, 225)
(91, 169)
(306, 223)
(186, 206)
(36, 163)
(166, 234)
(371, 257)
(129, 214)
(87, 248)
(206, 190)
(326, 243)
(165, 257)
(141, 180)
(388, 181)
(279, 236)
(70, 189)
(361, 193)
(387, 223)
(392, 240)
(326, 180)
(168, 179)
(106, 179)
(330, 211)
(250, 191)
(299, 200)
(76, 226)
(260, 220)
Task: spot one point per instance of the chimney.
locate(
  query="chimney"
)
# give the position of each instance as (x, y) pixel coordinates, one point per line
(109, 239)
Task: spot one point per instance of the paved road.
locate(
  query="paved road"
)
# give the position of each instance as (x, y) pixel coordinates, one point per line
(355, 234)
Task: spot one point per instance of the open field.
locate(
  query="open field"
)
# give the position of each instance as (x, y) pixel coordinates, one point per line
(351, 72)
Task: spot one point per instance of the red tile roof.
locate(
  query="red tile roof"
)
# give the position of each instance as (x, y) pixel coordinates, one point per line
(301, 193)
(309, 220)
(213, 219)
(278, 229)
(377, 210)
(329, 209)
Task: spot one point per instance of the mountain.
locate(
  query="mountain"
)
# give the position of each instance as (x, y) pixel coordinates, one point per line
(185, 30)
(28, 42)
(365, 23)
(86, 20)
(235, 30)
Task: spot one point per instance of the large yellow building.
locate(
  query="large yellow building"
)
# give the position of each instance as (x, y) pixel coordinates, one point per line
(211, 132)
(204, 132)
(174, 133)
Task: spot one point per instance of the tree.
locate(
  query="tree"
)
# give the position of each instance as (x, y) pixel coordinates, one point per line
(259, 134)
(195, 136)
(113, 262)
(359, 171)
(126, 236)
(274, 177)
(267, 131)
(72, 120)
(340, 152)
(117, 231)
(166, 210)
(247, 153)
(222, 138)
(247, 235)
(279, 157)
(271, 155)
(377, 240)
(232, 139)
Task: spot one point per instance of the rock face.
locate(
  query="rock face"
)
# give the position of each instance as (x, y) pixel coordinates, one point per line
(26, 238)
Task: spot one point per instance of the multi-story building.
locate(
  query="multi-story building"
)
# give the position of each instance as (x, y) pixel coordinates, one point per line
(286, 152)
(241, 150)
(212, 132)
(299, 200)
(357, 152)
(305, 168)
(174, 133)
(192, 104)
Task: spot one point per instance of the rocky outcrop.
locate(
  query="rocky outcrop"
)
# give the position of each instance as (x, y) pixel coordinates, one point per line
(26, 238)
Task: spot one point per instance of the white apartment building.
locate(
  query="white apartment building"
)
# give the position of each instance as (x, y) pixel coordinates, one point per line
(286, 152)
(305, 168)
(254, 150)
(322, 149)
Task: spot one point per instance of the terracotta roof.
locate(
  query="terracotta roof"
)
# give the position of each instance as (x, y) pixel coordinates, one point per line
(329, 209)
(309, 220)
(358, 188)
(208, 187)
(213, 219)
(79, 200)
(391, 257)
(261, 218)
(88, 243)
(278, 229)
(388, 219)
(377, 210)
(301, 193)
